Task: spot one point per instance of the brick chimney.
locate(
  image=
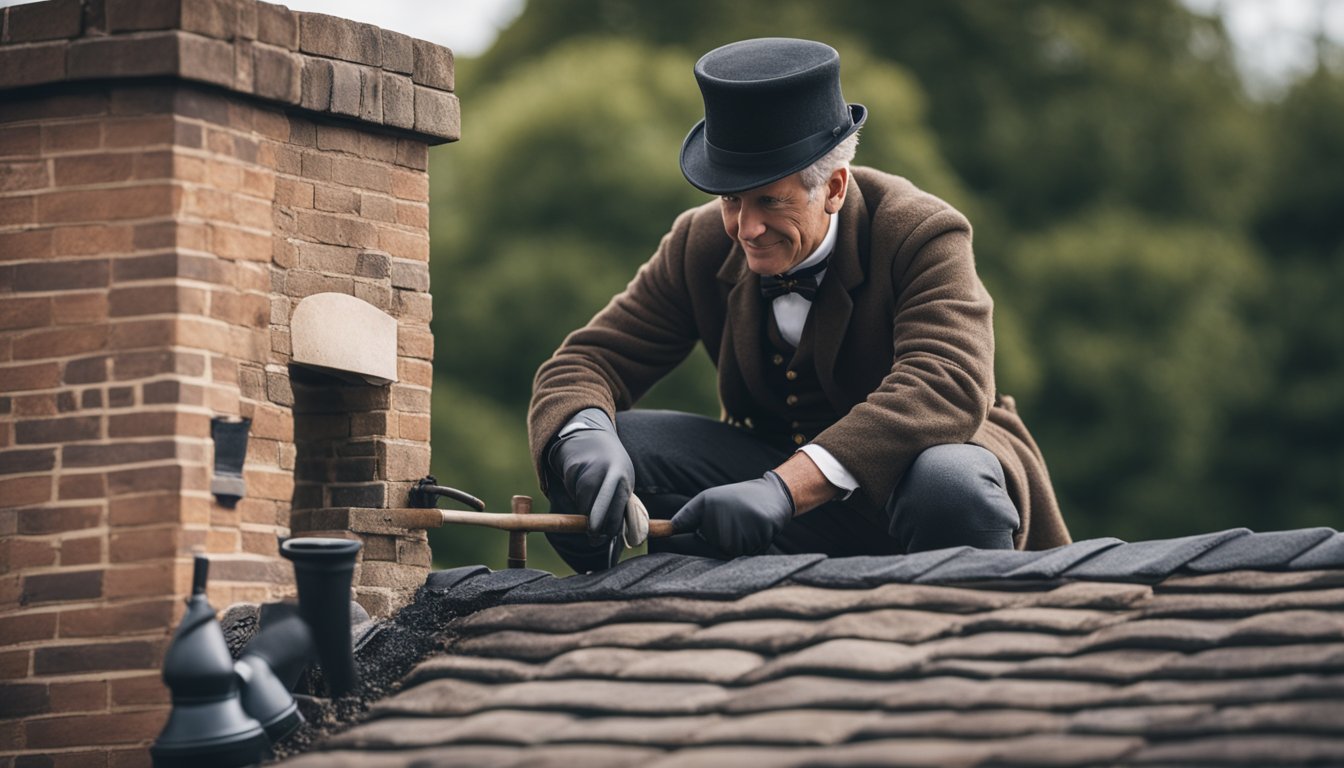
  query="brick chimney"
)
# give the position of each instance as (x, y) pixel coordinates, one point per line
(176, 176)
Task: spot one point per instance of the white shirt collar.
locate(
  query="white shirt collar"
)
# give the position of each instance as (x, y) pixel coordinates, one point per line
(824, 248)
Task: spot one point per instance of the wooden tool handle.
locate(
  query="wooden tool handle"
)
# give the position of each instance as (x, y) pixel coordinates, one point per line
(547, 523)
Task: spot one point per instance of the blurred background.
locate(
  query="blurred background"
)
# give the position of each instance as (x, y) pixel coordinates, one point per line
(1158, 213)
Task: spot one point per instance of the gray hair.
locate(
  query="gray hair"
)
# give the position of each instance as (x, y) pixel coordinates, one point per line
(816, 175)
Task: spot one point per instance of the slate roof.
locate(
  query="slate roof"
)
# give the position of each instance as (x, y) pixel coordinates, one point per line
(1223, 649)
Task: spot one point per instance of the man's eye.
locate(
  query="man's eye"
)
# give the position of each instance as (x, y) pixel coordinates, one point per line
(730, 198)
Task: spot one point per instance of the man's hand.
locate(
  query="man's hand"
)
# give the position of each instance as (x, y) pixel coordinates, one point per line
(596, 470)
(739, 519)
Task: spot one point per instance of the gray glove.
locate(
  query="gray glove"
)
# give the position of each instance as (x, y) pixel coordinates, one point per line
(739, 519)
(596, 471)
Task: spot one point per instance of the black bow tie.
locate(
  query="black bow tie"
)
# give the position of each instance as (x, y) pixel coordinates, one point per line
(802, 282)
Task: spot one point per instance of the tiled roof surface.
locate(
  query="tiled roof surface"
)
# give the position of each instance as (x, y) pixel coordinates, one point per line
(1225, 649)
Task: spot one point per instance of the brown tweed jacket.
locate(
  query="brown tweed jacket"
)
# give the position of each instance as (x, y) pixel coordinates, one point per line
(904, 344)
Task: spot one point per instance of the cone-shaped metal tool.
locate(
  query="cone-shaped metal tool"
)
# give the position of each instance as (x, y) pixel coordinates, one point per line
(323, 570)
(208, 726)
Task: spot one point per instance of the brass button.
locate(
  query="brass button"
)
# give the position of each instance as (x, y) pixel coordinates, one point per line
(778, 359)
(799, 439)
(791, 375)
(791, 399)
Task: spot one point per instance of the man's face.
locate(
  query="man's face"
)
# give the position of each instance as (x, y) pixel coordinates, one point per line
(777, 225)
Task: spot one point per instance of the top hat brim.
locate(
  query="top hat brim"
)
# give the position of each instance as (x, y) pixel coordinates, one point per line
(721, 179)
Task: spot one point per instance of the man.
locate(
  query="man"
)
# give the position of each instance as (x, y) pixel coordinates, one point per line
(853, 342)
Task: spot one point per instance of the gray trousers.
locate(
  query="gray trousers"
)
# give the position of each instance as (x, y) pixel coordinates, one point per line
(951, 495)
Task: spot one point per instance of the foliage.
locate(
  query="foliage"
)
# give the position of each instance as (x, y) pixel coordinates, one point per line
(1164, 252)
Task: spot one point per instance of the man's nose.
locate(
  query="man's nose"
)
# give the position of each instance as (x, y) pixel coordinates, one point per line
(750, 223)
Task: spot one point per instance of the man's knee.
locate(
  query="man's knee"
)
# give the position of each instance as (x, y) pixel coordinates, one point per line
(953, 495)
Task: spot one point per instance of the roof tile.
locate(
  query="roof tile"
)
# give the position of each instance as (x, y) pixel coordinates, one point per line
(1327, 554)
(1136, 720)
(870, 571)
(1150, 561)
(843, 658)
(539, 646)
(493, 727)
(481, 669)
(710, 665)
(759, 636)
(1274, 550)
(1243, 750)
(979, 724)
(1054, 658)
(656, 731)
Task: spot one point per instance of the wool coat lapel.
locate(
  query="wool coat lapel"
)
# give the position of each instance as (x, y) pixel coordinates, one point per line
(740, 373)
(834, 304)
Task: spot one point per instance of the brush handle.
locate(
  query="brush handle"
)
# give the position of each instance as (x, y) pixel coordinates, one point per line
(537, 523)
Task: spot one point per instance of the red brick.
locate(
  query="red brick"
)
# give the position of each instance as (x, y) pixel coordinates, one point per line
(71, 340)
(161, 478)
(23, 699)
(101, 168)
(233, 243)
(16, 211)
(88, 370)
(61, 586)
(413, 154)
(315, 84)
(134, 202)
(20, 552)
(409, 185)
(93, 239)
(20, 141)
(119, 56)
(59, 430)
(338, 38)
(363, 174)
(276, 25)
(139, 691)
(404, 245)
(71, 137)
(76, 456)
(82, 308)
(151, 166)
(414, 427)
(139, 365)
(27, 627)
(65, 275)
(156, 300)
(137, 545)
(83, 551)
(50, 21)
(125, 618)
(18, 461)
(20, 176)
(433, 65)
(17, 378)
(80, 696)
(336, 199)
(415, 342)
(437, 114)
(148, 509)
(43, 520)
(25, 245)
(135, 15)
(137, 334)
(150, 580)
(32, 64)
(83, 486)
(15, 664)
(89, 730)
(413, 215)
(20, 491)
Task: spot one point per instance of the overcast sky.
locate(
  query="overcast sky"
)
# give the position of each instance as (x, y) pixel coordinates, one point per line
(1274, 37)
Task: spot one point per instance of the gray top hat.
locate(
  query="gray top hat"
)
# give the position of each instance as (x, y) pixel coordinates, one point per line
(772, 107)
